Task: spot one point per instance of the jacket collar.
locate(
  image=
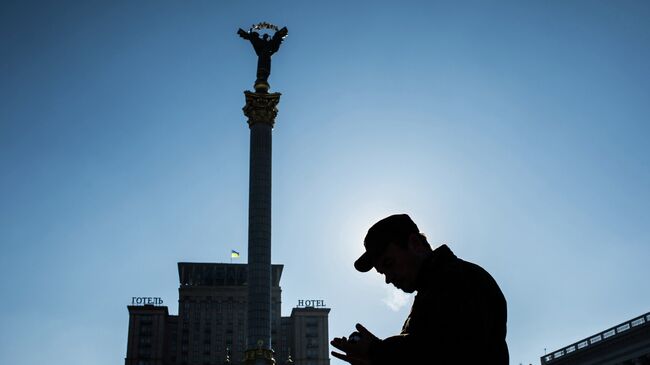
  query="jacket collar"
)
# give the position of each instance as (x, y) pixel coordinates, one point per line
(436, 260)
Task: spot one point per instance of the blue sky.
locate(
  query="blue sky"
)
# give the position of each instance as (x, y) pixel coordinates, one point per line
(515, 132)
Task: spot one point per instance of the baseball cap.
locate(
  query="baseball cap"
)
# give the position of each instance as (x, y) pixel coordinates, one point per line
(394, 228)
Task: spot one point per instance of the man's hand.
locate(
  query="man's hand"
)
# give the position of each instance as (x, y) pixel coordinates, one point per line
(356, 349)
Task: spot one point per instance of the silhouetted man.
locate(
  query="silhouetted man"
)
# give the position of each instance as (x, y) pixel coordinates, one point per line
(458, 315)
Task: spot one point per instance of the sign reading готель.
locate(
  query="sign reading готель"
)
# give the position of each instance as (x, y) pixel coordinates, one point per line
(146, 301)
(311, 303)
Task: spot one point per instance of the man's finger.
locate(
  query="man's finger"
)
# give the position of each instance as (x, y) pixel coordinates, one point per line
(340, 356)
(340, 344)
(351, 359)
(343, 346)
(363, 330)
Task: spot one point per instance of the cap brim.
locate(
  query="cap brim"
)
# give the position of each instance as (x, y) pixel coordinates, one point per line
(363, 263)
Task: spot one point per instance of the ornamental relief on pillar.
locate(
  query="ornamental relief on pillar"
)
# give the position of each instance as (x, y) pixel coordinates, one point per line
(261, 108)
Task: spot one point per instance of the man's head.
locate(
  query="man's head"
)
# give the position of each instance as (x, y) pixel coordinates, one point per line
(396, 249)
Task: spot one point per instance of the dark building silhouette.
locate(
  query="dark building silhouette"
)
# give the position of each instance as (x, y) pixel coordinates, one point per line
(307, 334)
(211, 326)
(625, 344)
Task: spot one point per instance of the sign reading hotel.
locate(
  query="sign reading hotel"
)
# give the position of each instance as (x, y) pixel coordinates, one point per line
(146, 301)
(311, 303)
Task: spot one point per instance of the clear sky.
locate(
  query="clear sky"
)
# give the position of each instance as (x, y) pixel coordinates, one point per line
(516, 132)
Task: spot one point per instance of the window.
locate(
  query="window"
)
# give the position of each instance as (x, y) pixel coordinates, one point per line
(637, 322)
(595, 339)
(311, 322)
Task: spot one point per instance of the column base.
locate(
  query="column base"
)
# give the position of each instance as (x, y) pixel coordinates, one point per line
(259, 357)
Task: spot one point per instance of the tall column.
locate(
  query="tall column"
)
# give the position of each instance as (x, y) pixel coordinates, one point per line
(261, 111)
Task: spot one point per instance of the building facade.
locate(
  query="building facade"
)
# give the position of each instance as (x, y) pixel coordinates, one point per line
(211, 325)
(307, 334)
(625, 344)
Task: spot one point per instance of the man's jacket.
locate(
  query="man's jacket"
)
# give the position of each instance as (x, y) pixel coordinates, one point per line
(458, 317)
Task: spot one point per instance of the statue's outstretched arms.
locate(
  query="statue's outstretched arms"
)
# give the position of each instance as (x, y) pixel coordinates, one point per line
(244, 34)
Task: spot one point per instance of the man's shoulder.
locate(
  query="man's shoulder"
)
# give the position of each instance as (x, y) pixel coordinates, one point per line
(448, 269)
(447, 260)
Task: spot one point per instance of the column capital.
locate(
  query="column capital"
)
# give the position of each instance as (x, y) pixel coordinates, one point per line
(261, 107)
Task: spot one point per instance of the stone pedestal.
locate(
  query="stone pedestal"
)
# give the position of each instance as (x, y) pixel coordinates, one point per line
(259, 357)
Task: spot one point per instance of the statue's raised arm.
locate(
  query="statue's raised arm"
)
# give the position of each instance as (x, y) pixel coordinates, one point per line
(278, 37)
(281, 34)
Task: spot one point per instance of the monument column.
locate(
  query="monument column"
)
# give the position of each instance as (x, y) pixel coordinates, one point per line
(261, 110)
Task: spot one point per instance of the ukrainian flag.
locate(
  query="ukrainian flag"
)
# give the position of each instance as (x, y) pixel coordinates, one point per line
(234, 253)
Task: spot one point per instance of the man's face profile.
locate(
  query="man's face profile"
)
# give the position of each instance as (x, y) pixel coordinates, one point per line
(399, 265)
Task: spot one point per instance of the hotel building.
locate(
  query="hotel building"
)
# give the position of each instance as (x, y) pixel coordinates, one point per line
(210, 328)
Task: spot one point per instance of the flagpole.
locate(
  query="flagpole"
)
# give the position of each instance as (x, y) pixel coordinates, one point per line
(234, 254)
